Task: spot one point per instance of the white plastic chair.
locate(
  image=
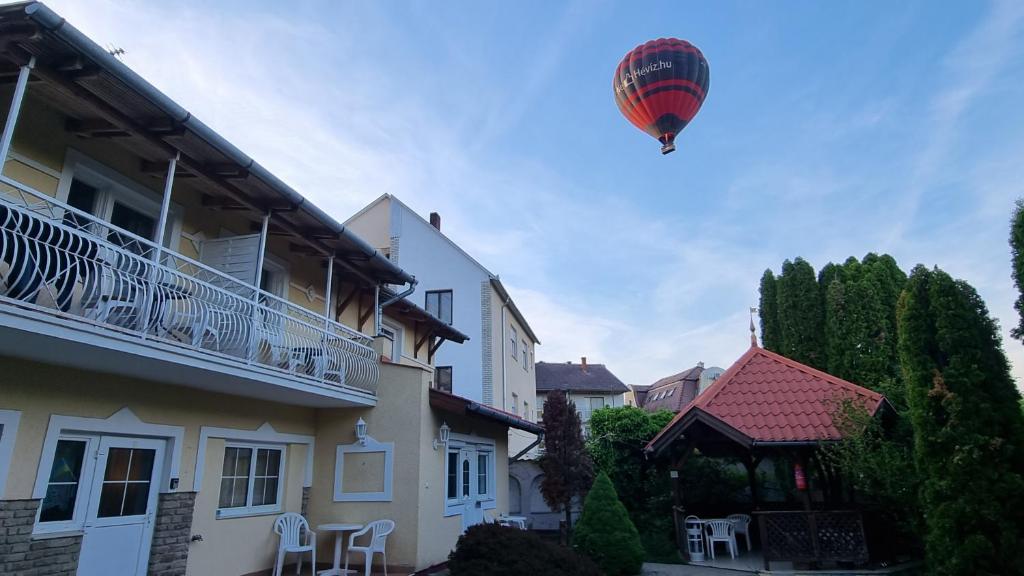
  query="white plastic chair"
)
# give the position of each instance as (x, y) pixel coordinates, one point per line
(289, 527)
(741, 525)
(720, 531)
(379, 530)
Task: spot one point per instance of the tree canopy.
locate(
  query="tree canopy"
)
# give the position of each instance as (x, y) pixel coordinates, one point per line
(1017, 247)
(568, 469)
(968, 427)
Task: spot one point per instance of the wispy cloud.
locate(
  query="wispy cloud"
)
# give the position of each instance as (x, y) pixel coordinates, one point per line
(344, 115)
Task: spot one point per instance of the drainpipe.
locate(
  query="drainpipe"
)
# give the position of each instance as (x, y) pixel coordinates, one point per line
(382, 305)
(12, 115)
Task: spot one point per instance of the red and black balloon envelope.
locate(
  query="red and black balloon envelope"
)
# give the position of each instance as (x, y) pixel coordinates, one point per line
(660, 86)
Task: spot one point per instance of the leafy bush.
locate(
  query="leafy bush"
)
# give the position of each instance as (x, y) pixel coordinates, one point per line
(617, 440)
(606, 534)
(500, 551)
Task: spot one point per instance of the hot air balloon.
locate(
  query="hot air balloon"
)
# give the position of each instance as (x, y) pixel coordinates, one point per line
(660, 86)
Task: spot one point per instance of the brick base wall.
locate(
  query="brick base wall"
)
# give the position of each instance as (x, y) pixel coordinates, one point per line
(20, 555)
(172, 534)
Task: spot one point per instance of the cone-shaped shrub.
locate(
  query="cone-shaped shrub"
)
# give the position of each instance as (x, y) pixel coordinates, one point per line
(605, 532)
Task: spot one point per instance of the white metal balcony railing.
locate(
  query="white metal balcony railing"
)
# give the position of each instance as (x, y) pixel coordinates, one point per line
(72, 264)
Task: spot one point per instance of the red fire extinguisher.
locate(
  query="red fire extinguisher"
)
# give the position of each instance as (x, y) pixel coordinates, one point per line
(799, 477)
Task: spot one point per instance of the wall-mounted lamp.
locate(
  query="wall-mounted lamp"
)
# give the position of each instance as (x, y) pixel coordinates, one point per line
(444, 433)
(361, 431)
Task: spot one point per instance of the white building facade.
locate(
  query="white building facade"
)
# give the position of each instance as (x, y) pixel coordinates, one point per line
(496, 366)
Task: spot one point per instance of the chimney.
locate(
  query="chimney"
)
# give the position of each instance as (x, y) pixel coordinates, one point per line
(435, 220)
(583, 363)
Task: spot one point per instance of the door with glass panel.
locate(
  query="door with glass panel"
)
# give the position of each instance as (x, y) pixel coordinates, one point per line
(475, 469)
(121, 507)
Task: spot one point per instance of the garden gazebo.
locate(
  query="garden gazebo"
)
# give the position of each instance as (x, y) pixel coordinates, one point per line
(768, 406)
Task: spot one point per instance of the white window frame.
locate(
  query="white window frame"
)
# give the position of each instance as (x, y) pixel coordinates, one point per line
(398, 335)
(514, 340)
(249, 509)
(526, 357)
(112, 186)
(9, 420)
(457, 442)
(515, 404)
(85, 481)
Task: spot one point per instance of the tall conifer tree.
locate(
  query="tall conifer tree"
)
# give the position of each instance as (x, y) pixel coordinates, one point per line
(1017, 248)
(568, 469)
(801, 314)
(768, 310)
(968, 428)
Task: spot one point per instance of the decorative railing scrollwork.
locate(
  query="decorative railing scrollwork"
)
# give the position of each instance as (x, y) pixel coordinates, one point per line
(70, 263)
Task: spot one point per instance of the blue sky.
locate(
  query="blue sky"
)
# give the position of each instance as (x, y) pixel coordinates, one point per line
(830, 129)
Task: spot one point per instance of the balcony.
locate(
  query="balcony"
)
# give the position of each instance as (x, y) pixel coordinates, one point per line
(78, 291)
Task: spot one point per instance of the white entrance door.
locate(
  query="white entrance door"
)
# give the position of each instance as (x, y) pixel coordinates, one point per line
(122, 507)
(472, 510)
(474, 481)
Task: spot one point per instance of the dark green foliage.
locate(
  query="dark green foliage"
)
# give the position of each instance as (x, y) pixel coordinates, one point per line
(968, 428)
(617, 439)
(606, 534)
(568, 469)
(711, 485)
(801, 314)
(768, 310)
(878, 461)
(860, 323)
(500, 551)
(1017, 248)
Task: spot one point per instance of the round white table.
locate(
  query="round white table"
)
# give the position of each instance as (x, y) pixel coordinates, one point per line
(339, 529)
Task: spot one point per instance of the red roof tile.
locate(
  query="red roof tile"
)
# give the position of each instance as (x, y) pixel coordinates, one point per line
(769, 398)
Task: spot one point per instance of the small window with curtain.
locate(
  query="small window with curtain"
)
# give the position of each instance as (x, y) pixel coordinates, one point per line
(526, 356)
(439, 303)
(483, 485)
(452, 475)
(513, 342)
(443, 378)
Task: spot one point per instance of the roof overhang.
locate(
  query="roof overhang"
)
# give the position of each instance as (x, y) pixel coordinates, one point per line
(694, 415)
(96, 89)
(503, 294)
(435, 326)
(460, 406)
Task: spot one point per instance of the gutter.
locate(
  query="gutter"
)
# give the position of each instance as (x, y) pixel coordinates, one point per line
(505, 418)
(59, 28)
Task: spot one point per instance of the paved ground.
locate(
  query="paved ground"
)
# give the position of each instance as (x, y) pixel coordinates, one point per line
(687, 570)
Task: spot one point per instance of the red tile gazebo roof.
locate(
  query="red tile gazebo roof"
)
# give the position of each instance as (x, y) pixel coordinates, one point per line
(767, 398)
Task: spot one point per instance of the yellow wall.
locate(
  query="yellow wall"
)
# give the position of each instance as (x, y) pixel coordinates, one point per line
(518, 381)
(374, 225)
(395, 419)
(40, 390)
(251, 540)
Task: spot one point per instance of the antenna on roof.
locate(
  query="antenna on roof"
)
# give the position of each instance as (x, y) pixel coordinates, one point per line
(115, 51)
(753, 335)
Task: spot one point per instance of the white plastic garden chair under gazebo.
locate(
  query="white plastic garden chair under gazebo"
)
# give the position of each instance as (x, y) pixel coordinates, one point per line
(720, 531)
(289, 526)
(378, 530)
(741, 525)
